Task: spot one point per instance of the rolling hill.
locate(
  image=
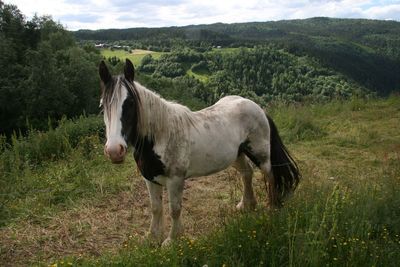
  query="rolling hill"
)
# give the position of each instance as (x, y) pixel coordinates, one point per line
(365, 51)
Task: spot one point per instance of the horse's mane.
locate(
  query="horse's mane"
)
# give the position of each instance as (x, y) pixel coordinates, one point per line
(159, 117)
(156, 117)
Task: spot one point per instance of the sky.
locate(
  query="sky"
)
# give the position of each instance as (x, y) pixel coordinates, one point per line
(105, 14)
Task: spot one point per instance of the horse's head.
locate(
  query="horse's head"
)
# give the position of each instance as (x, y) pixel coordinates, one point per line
(121, 106)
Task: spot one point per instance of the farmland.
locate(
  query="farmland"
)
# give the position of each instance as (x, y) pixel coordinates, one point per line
(135, 55)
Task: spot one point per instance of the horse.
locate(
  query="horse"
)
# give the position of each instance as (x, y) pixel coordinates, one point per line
(171, 143)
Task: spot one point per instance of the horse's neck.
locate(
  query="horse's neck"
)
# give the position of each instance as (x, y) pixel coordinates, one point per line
(159, 117)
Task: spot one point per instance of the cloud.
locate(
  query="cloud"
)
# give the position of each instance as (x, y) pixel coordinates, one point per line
(101, 14)
(384, 12)
(83, 18)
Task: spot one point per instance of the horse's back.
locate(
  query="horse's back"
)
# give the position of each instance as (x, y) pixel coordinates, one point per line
(232, 103)
(220, 129)
(240, 111)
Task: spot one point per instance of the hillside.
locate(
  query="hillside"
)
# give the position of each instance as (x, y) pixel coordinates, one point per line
(63, 202)
(351, 29)
(366, 51)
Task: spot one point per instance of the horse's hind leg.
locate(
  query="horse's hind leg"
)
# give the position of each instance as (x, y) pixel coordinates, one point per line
(248, 201)
(269, 179)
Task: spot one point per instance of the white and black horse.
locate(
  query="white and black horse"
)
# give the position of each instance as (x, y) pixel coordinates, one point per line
(172, 143)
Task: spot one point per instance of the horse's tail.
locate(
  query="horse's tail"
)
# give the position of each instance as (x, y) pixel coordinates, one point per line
(286, 174)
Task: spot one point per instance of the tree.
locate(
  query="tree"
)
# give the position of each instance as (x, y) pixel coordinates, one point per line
(43, 74)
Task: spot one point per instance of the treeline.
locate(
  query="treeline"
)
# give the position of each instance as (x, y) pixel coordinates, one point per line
(377, 34)
(43, 73)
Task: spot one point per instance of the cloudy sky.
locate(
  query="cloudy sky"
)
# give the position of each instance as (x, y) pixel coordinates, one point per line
(103, 14)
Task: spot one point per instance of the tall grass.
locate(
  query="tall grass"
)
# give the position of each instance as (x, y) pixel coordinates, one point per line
(38, 147)
(46, 170)
(296, 123)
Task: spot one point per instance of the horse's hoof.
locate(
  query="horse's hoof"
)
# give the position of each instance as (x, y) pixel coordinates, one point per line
(154, 238)
(240, 206)
(251, 205)
(167, 242)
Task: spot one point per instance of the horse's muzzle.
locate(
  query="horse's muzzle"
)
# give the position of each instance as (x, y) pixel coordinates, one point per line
(116, 153)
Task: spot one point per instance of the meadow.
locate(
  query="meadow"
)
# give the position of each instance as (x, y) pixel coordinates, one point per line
(135, 55)
(63, 203)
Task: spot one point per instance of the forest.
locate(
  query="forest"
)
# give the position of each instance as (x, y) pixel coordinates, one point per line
(48, 72)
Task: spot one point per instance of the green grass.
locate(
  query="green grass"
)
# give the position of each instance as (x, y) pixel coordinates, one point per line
(344, 213)
(225, 50)
(203, 77)
(136, 58)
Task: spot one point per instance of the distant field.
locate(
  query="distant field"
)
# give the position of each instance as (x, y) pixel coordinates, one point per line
(136, 55)
(225, 49)
(199, 76)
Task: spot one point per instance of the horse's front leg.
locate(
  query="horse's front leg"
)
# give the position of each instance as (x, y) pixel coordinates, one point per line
(157, 220)
(175, 191)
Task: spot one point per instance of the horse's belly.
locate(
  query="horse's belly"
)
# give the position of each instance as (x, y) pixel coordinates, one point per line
(211, 157)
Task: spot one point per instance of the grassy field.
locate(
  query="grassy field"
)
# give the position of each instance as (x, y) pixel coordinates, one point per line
(135, 56)
(63, 203)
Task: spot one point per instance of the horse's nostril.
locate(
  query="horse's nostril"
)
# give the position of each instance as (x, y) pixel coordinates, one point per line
(115, 152)
(121, 150)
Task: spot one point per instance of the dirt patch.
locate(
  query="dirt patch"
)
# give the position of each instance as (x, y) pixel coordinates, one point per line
(94, 228)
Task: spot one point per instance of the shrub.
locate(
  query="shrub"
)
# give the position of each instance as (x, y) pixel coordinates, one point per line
(37, 147)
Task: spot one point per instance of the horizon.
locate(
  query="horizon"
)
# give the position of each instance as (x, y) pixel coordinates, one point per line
(122, 14)
(227, 23)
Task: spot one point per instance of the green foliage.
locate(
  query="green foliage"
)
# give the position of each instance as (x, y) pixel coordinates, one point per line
(147, 59)
(37, 147)
(274, 74)
(365, 51)
(188, 91)
(42, 72)
(170, 69)
(201, 68)
(113, 60)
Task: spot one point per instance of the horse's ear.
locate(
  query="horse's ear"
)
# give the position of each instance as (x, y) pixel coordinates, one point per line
(129, 70)
(105, 75)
